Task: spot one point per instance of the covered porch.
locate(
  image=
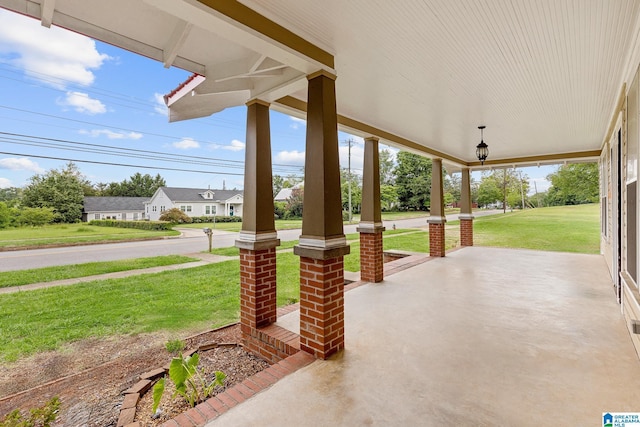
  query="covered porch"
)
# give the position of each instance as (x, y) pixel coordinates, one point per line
(483, 336)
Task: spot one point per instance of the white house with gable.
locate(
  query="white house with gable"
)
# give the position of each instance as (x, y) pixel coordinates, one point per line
(194, 202)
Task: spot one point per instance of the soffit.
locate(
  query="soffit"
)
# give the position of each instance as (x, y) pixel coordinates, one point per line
(544, 77)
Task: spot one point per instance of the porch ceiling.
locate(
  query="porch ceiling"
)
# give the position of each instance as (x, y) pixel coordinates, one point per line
(544, 77)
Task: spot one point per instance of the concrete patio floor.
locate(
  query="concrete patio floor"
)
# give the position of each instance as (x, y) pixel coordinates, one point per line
(482, 337)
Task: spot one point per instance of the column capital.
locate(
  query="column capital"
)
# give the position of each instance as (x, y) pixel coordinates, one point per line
(324, 73)
(258, 101)
(370, 227)
(372, 138)
(436, 220)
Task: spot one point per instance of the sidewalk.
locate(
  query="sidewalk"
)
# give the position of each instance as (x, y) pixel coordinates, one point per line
(204, 260)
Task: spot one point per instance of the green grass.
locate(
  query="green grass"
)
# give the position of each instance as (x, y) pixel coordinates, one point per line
(49, 274)
(230, 251)
(561, 228)
(72, 234)
(208, 296)
(202, 297)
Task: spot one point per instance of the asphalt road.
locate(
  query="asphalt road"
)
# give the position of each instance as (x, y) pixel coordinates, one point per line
(193, 240)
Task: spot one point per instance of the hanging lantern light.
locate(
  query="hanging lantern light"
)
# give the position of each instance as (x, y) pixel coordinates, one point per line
(482, 149)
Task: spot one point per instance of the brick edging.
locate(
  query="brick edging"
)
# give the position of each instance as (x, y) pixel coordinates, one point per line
(222, 402)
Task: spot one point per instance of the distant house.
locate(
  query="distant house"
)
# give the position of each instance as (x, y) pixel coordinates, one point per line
(195, 202)
(119, 208)
(285, 194)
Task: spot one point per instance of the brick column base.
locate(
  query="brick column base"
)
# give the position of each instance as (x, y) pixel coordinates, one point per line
(257, 288)
(371, 257)
(436, 239)
(321, 306)
(466, 232)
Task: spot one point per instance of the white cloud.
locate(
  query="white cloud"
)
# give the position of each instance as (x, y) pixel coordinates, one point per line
(83, 103)
(297, 122)
(235, 145)
(294, 157)
(5, 183)
(159, 105)
(53, 55)
(21, 163)
(111, 134)
(186, 144)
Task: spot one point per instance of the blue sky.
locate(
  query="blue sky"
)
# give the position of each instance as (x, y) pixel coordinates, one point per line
(98, 103)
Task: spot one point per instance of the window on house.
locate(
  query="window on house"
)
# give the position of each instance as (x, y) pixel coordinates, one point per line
(135, 216)
(162, 208)
(97, 216)
(209, 210)
(183, 208)
(154, 208)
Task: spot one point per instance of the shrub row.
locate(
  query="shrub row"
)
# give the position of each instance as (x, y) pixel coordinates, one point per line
(209, 219)
(140, 225)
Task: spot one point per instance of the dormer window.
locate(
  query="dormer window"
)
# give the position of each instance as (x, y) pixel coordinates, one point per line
(208, 194)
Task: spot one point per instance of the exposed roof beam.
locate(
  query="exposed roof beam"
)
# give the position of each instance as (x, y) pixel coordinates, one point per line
(241, 25)
(46, 12)
(177, 39)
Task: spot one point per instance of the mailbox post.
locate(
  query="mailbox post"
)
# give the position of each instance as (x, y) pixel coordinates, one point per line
(209, 233)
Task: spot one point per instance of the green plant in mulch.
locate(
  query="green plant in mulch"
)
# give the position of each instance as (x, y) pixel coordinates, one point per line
(38, 417)
(174, 346)
(189, 381)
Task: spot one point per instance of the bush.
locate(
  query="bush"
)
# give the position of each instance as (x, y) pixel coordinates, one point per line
(35, 217)
(209, 219)
(175, 216)
(140, 225)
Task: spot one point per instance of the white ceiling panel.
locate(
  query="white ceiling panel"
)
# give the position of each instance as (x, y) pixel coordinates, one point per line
(544, 76)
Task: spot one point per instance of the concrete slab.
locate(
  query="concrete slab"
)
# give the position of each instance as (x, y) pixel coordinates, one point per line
(482, 337)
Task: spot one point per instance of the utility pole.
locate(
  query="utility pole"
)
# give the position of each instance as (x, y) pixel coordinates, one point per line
(521, 189)
(504, 190)
(350, 210)
(349, 142)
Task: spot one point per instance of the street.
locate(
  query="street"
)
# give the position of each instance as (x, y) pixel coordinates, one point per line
(193, 240)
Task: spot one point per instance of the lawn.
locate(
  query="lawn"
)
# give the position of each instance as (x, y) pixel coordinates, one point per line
(72, 234)
(208, 296)
(49, 274)
(561, 228)
(202, 297)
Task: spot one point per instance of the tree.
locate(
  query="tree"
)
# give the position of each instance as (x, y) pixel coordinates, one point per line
(294, 204)
(492, 188)
(11, 196)
(413, 181)
(277, 182)
(137, 186)
(388, 197)
(574, 184)
(175, 216)
(386, 167)
(62, 190)
(356, 191)
(5, 215)
(452, 184)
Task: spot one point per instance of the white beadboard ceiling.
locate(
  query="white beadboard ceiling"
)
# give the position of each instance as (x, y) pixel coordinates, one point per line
(544, 76)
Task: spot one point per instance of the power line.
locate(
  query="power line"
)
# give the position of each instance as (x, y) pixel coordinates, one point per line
(22, 139)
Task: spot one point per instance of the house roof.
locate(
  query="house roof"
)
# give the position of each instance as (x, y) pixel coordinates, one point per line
(177, 194)
(114, 204)
(283, 195)
(545, 77)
